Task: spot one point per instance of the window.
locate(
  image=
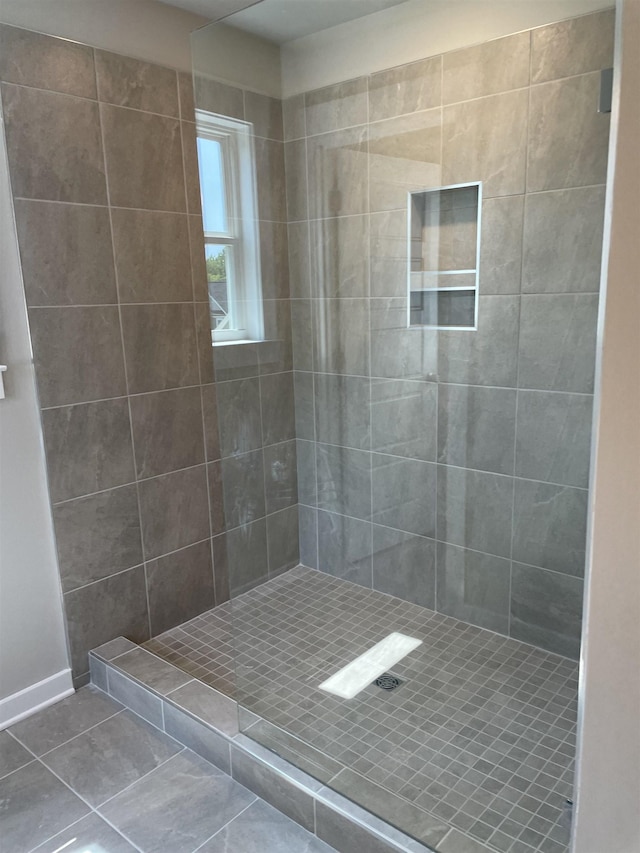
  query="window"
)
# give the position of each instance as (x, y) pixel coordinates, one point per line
(228, 187)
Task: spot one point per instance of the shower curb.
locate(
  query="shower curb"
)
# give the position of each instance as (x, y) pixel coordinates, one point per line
(206, 721)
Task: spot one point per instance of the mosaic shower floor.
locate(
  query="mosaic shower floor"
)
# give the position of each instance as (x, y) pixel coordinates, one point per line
(481, 732)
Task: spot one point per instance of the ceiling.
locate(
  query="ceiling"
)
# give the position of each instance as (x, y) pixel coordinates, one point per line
(283, 20)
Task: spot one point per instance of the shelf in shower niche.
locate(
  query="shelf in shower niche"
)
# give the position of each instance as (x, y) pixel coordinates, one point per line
(444, 250)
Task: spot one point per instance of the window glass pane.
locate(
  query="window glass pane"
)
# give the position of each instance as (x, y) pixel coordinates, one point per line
(212, 185)
(218, 260)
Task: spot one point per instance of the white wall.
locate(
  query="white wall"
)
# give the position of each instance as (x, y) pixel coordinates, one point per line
(608, 779)
(411, 31)
(34, 665)
(145, 29)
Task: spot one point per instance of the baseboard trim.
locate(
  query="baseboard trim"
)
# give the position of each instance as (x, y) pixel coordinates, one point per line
(34, 698)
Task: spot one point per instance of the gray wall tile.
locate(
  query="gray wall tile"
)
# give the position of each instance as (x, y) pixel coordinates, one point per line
(339, 256)
(476, 427)
(550, 526)
(180, 586)
(404, 565)
(280, 476)
(113, 607)
(167, 431)
(88, 448)
(486, 140)
(344, 480)
(474, 587)
(186, 96)
(307, 489)
(304, 403)
(216, 497)
(554, 437)
(344, 547)
(562, 242)
(474, 510)
(276, 351)
(557, 348)
(283, 548)
(272, 193)
(546, 609)
(153, 257)
(265, 114)
(404, 494)
(343, 410)
(215, 97)
(398, 352)
(239, 422)
(406, 89)
(337, 160)
(293, 116)
(388, 261)
(78, 354)
(243, 488)
(128, 82)
(197, 737)
(308, 536)
(299, 271)
(160, 346)
(568, 137)
(191, 171)
(97, 536)
(66, 162)
(572, 47)
(247, 556)
(144, 159)
(404, 418)
(501, 244)
(142, 702)
(296, 179)
(278, 408)
(210, 422)
(334, 107)
(32, 59)
(302, 333)
(173, 511)
(340, 336)
(66, 253)
(274, 260)
(486, 69)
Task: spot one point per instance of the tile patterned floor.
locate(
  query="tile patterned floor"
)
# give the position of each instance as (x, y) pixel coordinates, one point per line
(87, 775)
(481, 733)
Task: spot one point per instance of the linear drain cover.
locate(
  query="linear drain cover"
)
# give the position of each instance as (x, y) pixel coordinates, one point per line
(387, 681)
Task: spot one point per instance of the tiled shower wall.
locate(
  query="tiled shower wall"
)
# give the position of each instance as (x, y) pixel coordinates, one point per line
(450, 468)
(103, 168)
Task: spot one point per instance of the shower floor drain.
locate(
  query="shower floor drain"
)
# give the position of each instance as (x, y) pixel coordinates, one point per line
(387, 681)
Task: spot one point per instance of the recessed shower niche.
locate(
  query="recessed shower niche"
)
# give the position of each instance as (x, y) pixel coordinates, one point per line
(444, 251)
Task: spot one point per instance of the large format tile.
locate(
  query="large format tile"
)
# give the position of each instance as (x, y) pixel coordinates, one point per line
(32, 59)
(128, 82)
(239, 416)
(35, 805)
(308, 536)
(274, 260)
(153, 256)
(174, 511)
(568, 137)
(404, 565)
(473, 587)
(283, 546)
(261, 828)
(343, 410)
(111, 756)
(278, 408)
(151, 670)
(293, 117)
(299, 272)
(550, 526)
(340, 336)
(48, 729)
(337, 106)
(66, 162)
(344, 547)
(97, 536)
(487, 356)
(90, 833)
(215, 97)
(485, 140)
(198, 737)
(339, 256)
(12, 754)
(265, 114)
(388, 253)
(572, 47)
(209, 705)
(144, 159)
(243, 488)
(486, 69)
(167, 431)
(272, 200)
(476, 427)
(344, 480)
(501, 244)
(404, 418)
(404, 154)
(66, 253)
(78, 354)
(160, 346)
(546, 609)
(295, 161)
(180, 586)
(337, 170)
(404, 494)
(405, 89)
(557, 350)
(98, 612)
(553, 438)
(276, 351)
(399, 352)
(307, 472)
(171, 809)
(247, 556)
(88, 448)
(562, 241)
(280, 476)
(474, 510)
(132, 695)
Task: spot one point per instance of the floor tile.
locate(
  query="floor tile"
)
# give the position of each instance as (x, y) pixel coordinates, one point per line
(263, 829)
(89, 835)
(33, 806)
(64, 720)
(12, 754)
(177, 807)
(103, 761)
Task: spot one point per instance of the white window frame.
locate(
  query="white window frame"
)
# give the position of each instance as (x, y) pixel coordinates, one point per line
(244, 290)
